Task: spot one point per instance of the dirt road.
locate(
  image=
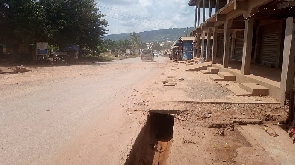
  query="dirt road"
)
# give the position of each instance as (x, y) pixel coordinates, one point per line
(132, 112)
(71, 114)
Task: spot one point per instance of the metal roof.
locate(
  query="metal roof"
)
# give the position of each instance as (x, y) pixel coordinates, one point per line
(187, 38)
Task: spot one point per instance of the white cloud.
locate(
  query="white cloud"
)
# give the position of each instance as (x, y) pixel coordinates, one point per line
(145, 3)
(126, 16)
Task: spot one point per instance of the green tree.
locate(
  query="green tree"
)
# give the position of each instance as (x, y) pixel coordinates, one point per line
(107, 45)
(74, 21)
(136, 42)
(21, 21)
(156, 46)
(57, 21)
(122, 45)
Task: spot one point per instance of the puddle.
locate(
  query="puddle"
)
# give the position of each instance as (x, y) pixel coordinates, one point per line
(152, 145)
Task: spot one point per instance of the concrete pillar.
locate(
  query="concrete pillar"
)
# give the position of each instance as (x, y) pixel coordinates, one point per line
(199, 13)
(227, 26)
(210, 8)
(247, 48)
(208, 50)
(203, 45)
(233, 44)
(215, 43)
(195, 47)
(194, 52)
(198, 53)
(196, 16)
(287, 75)
(204, 18)
(217, 6)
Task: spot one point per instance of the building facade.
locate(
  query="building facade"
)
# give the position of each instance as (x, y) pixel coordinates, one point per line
(255, 34)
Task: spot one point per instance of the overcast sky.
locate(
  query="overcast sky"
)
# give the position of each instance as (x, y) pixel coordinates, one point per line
(126, 16)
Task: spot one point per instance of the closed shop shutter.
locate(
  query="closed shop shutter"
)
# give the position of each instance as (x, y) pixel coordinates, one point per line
(238, 53)
(269, 48)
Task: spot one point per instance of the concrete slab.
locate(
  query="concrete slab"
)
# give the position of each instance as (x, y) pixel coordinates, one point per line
(198, 66)
(255, 89)
(280, 148)
(247, 121)
(170, 84)
(205, 72)
(213, 70)
(227, 76)
(215, 77)
(238, 91)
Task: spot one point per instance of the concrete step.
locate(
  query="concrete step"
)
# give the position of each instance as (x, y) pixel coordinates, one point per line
(238, 91)
(215, 77)
(181, 62)
(227, 76)
(198, 67)
(247, 121)
(190, 63)
(205, 72)
(255, 89)
(213, 70)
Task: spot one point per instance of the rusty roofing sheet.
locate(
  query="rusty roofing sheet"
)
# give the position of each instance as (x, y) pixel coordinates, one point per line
(187, 38)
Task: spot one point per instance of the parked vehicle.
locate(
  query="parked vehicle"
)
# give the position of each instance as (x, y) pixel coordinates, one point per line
(147, 55)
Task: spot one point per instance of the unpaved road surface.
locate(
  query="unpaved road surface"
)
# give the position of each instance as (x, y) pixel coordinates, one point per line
(135, 113)
(55, 114)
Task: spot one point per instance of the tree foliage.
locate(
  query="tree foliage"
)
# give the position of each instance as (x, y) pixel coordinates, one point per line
(136, 42)
(156, 46)
(133, 43)
(56, 21)
(20, 21)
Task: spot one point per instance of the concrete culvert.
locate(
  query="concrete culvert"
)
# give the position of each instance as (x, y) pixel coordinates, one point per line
(154, 141)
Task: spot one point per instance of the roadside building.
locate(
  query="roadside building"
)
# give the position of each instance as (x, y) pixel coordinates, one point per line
(254, 40)
(187, 47)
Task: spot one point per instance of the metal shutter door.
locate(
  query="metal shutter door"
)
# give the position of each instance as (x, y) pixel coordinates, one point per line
(238, 52)
(269, 48)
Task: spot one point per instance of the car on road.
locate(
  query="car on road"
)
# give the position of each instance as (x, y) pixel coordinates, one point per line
(156, 54)
(147, 55)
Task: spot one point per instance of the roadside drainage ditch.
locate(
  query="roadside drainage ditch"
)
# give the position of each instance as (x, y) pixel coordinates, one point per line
(152, 145)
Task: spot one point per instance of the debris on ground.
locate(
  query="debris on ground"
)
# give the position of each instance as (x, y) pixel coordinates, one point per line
(291, 132)
(181, 79)
(270, 131)
(21, 69)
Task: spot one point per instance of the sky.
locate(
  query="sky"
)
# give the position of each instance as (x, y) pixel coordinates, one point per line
(126, 16)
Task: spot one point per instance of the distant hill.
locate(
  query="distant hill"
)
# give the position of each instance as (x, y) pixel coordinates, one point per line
(154, 35)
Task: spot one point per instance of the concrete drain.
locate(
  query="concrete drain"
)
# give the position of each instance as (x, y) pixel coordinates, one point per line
(153, 143)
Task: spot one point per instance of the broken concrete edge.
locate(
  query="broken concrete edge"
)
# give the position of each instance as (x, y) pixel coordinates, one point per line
(222, 102)
(247, 121)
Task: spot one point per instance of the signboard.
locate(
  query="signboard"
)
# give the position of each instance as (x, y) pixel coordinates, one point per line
(41, 48)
